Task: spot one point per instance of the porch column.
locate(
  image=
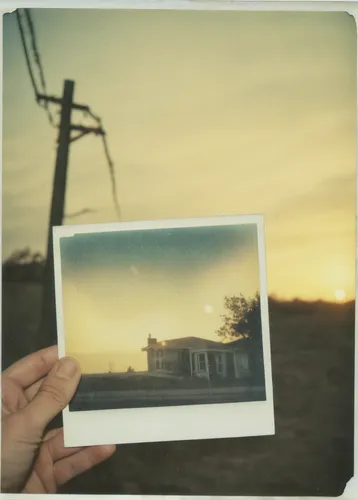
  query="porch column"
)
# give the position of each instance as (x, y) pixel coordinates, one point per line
(207, 364)
(191, 363)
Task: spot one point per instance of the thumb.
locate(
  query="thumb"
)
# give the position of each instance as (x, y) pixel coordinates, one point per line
(55, 393)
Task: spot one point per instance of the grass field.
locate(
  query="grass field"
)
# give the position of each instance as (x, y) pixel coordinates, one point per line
(110, 400)
(139, 381)
(105, 391)
(312, 451)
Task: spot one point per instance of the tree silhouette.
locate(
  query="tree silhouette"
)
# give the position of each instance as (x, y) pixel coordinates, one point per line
(243, 318)
(243, 321)
(23, 265)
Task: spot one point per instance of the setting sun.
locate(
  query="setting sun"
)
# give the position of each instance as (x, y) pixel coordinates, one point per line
(340, 295)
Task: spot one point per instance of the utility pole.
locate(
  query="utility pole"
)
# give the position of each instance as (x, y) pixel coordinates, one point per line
(48, 326)
(48, 321)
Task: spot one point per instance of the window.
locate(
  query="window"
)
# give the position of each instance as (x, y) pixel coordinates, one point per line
(157, 365)
(201, 359)
(243, 362)
(219, 363)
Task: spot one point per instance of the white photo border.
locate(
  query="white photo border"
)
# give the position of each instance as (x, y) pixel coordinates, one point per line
(124, 426)
(350, 6)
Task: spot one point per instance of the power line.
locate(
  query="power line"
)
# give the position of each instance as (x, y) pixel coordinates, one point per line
(43, 99)
(112, 175)
(35, 49)
(109, 160)
(37, 58)
(26, 52)
(84, 211)
(101, 131)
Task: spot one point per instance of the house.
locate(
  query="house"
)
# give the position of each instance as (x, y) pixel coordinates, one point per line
(197, 357)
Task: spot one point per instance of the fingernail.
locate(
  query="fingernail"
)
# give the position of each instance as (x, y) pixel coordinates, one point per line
(67, 368)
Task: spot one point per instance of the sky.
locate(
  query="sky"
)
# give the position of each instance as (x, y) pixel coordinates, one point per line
(207, 113)
(119, 287)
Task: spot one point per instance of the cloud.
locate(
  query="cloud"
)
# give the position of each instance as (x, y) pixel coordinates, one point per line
(334, 194)
(166, 254)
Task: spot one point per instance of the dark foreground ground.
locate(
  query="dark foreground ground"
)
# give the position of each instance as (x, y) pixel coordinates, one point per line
(110, 400)
(312, 451)
(110, 391)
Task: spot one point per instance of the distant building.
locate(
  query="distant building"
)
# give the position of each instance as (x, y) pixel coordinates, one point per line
(197, 357)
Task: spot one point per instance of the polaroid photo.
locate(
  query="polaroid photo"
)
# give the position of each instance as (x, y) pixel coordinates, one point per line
(169, 322)
(208, 107)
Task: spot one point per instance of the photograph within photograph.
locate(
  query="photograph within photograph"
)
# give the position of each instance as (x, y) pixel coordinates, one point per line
(204, 113)
(164, 317)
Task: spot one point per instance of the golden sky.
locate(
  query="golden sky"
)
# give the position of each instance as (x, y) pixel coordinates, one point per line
(119, 287)
(207, 113)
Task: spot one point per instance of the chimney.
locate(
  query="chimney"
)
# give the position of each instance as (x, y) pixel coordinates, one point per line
(151, 341)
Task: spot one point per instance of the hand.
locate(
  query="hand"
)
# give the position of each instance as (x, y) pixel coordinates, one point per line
(34, 391)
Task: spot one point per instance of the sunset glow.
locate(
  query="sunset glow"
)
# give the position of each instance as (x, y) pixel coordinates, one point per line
(231, 120)
(340, 295)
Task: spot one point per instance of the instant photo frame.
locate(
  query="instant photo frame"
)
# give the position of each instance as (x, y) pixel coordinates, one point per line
(114, 426)
(351, 490)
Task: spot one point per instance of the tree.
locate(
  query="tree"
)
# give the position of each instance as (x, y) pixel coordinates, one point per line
(24, 266)
(243, 321)
(243, 318)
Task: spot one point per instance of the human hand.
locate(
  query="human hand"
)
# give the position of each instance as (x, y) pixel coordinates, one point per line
(34, 390)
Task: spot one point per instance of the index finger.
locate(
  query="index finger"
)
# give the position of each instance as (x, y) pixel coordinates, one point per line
(33, 367)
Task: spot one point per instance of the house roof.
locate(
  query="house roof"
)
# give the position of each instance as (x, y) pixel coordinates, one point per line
(239, 342)
(188, 343)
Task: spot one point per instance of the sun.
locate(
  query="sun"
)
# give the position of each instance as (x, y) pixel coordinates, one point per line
(340, 295)
(208, 309)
